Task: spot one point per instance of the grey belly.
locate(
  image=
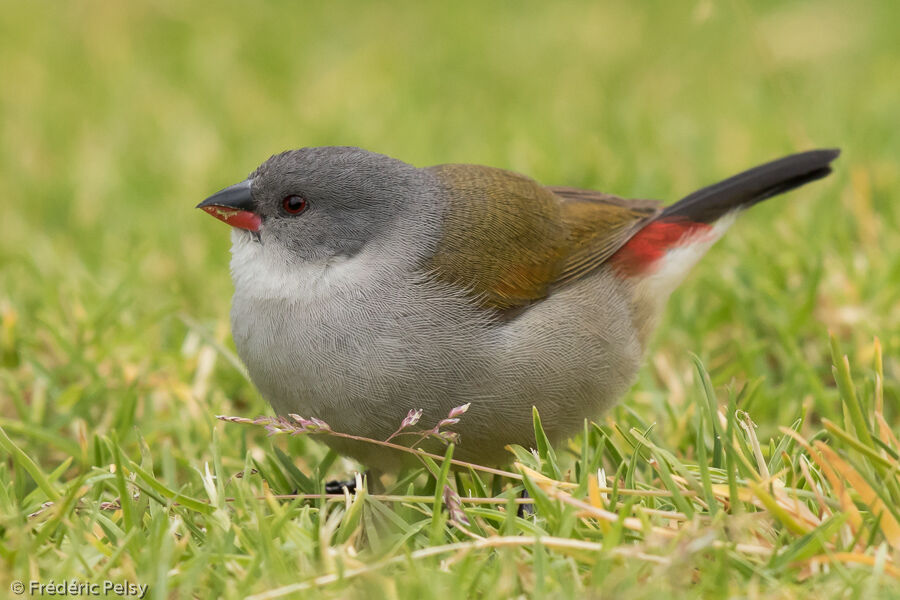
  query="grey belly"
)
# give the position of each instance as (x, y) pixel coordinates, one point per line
(361, 362)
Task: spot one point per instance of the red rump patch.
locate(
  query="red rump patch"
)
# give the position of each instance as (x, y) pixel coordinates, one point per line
(652, 242)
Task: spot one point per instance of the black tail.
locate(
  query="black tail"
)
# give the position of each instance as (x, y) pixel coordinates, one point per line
(757, 184)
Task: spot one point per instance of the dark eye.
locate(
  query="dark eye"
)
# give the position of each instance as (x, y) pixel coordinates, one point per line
(294, 205)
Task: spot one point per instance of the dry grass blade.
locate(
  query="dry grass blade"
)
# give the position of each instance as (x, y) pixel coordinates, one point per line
(854, 518)
(869, 496)
(461, 547)
(850, 558)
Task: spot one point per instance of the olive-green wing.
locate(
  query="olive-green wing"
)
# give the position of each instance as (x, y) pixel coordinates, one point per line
(508, 241)
(598, 225)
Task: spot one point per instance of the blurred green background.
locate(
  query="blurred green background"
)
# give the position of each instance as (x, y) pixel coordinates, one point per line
(116, 118)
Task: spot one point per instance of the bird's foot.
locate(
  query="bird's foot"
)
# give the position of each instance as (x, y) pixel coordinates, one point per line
(337, 487)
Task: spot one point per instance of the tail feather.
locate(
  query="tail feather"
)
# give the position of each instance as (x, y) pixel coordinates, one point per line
(747, 188)
(670, 244)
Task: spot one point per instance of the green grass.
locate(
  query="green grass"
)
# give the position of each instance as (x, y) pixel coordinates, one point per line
(117, 118)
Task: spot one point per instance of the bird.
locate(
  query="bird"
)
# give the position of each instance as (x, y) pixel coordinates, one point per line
(366, 288)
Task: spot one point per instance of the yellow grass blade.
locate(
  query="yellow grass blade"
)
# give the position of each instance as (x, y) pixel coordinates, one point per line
(889, 525)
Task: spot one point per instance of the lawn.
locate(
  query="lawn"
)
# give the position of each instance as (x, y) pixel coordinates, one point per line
(750, 459)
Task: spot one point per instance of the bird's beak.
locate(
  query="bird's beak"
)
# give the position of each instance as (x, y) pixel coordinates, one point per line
(234, 205)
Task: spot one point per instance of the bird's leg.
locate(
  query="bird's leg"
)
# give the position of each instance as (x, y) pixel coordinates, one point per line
(372, 478)
(336, 486)
(526, 509)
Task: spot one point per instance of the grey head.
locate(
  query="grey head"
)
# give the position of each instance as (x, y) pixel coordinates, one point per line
(315, 204)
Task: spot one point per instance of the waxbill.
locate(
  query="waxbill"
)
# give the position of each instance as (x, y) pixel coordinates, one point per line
(366, 287)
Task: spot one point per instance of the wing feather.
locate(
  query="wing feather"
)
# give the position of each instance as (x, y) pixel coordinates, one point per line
(509, 241)
(598, 225)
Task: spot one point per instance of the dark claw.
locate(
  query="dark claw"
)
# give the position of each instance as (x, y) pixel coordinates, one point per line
(337, 487)
(525, 510)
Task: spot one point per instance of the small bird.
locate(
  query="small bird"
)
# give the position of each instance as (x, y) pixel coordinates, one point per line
(366, 287)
